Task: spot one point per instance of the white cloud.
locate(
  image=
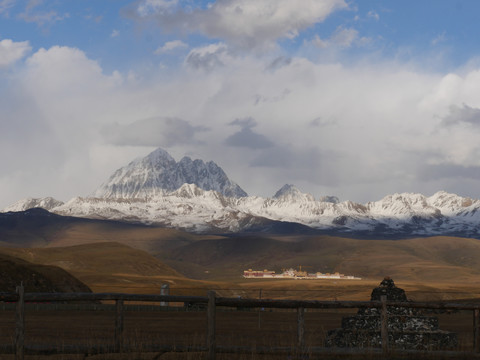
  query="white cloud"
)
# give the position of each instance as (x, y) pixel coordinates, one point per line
(341, 38)
(114, 33)
(11, 51)
(318, 42)
(208, 57)
(344, 37)
(358, 132)
(170, 46)
(246, 24)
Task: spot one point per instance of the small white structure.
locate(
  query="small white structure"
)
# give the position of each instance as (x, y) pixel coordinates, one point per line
(295, 274)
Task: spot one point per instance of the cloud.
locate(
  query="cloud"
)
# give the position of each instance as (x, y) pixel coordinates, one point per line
(33, 15)
(114, 33)
(373, 15)
(300, 163)
(439, 38)
(149, 7)
(247, 24)
(448, 170)
(321, 122)
(246, 137)
(318, 42)
(208, 57)
(344, 37)
(356, 131)
(51, 112)
(11, 52)
(6, 5)
(245, 123)
(279, 62)
(341, 38)
(157, 132)
(462, 114)
(170, 46)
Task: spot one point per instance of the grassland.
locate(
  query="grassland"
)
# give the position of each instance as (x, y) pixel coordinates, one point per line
(115, 257)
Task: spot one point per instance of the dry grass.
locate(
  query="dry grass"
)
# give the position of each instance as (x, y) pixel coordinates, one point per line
(251, 329)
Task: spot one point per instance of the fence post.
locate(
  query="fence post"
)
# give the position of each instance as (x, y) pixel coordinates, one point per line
(20, 324)
(301, 329)
(476, 330)
(118, 324)
(259, 310)
(164, 290)
(384, 324)
(211, 322)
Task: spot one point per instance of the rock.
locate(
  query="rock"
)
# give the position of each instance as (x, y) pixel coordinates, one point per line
(407, 328)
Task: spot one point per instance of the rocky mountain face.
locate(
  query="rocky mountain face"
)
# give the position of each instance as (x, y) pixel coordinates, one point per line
(158, 173)
(196, 196)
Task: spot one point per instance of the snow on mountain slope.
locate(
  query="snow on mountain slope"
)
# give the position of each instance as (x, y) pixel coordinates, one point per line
(189, 208)
(47, 203)
(194, 209)
(289, 204)
(198, 196)
(403, 206)
(158, 173)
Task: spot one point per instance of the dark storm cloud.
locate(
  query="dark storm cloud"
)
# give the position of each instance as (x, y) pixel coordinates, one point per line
(161, 131)
(246, 137)
(462, 114)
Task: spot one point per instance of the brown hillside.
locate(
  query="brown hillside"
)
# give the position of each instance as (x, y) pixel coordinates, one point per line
(36, 278)
(39, 228)
(103, 266)
(421, 259)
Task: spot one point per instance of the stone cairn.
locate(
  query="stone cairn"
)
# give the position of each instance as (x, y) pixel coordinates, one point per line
(408, 328)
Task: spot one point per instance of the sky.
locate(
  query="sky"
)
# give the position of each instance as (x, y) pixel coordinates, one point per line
(352, 98)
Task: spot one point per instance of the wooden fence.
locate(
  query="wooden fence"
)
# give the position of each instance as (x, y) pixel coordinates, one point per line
(211, 301)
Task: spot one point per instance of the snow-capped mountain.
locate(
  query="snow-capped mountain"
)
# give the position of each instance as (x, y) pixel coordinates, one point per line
(158, 173)
(197, 196)
(47, 203)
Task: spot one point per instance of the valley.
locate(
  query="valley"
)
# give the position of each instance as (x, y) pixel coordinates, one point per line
(111, 256)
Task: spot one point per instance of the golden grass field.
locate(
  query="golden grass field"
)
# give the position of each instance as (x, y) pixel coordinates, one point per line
(112, 257)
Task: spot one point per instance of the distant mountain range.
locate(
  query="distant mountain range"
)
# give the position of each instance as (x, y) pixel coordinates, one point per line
(196, 196)
(158, 173)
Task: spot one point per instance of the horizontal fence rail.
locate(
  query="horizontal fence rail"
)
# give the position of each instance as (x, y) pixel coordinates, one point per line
(211, 303)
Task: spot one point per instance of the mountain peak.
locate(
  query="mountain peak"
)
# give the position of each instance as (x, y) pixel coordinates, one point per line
(159, 172)
(159, 156)
(287, 189)
(46, 203)
(291, 192)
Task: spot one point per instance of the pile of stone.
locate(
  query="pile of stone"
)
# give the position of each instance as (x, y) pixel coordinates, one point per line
(407, 328)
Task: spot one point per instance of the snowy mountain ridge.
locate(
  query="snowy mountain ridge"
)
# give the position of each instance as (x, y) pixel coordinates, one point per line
(198, 196)
(159, 172)
(194, 209)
